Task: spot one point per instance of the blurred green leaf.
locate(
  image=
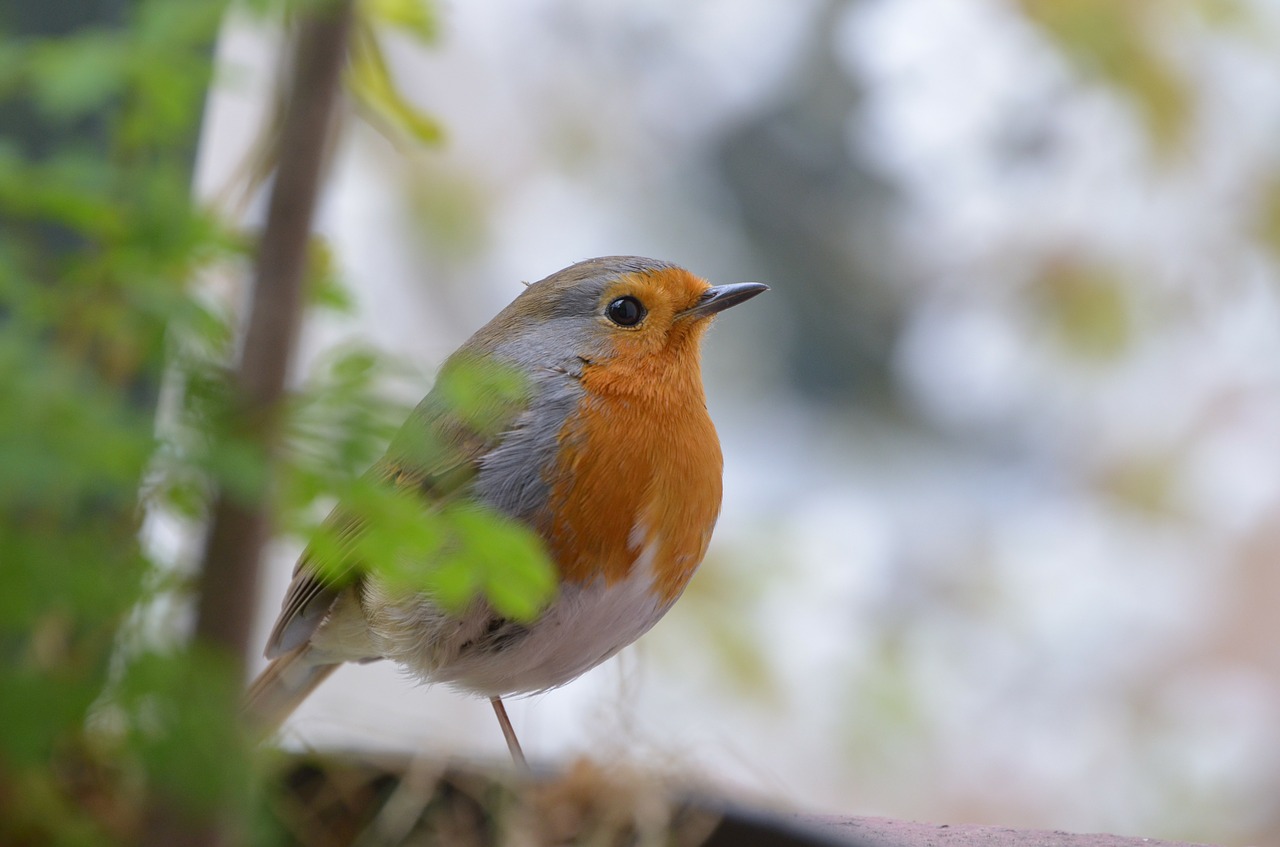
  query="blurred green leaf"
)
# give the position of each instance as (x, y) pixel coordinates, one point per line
(414, 541)
(99, 251)
(73, 76)
(450, 209)
(419, 18)
(370, 81)
(37, 710)
(470, 554)
(98, 248)
(324, 286)
(1226, 13)
(719, 604)
(887, 700)
(482, 393)
(1117, 43)
(1146, 484)
(70, 187)
(1268, 217)
(514, 572)
(1087, 307)
(175, 708)
(457, 555)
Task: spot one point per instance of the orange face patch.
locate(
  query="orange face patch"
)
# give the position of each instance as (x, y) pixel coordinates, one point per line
(640, 465)
(664, 295)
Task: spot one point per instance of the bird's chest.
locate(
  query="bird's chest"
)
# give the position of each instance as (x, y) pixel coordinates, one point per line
(585, 625)
(480, 652)
(635, 492)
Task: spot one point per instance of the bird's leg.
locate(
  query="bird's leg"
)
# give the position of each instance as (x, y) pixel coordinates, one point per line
(513, 743)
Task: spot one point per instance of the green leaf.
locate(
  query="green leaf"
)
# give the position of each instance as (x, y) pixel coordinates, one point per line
(323, 283)
(36, 710)
(452, 581)
(517, 576)
(416, 17)
(1115, 42)
(180, 713)
(1088, 307)
(481, 392)
(369, 80)
(1268, 216)
(73, 76)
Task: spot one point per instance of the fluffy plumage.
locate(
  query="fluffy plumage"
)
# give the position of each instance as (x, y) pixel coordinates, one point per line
(609, 456)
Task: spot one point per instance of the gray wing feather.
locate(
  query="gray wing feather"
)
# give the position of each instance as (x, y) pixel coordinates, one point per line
(504, 470)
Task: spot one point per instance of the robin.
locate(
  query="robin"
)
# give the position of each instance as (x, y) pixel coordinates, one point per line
(609, 456)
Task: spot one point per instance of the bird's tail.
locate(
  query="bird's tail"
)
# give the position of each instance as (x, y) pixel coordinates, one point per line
(281, 686)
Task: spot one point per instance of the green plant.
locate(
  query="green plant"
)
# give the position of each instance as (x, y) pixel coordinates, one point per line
(114, 725)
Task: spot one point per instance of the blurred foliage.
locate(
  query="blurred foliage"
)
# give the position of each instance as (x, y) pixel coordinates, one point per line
(1147, 484)
(1118, 43)
(1269, 217)
(373, 90)
(369, 77)
(1088, 307)
(449, 209)
(99, 236)
(714, 607)
(415, 531)
(108, 720)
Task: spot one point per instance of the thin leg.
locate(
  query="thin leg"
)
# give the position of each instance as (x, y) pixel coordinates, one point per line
(513, 743)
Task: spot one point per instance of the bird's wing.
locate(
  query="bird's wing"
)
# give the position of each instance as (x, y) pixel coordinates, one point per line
(436, 453)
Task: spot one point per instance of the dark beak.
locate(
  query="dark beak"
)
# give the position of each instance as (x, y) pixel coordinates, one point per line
(720, 297)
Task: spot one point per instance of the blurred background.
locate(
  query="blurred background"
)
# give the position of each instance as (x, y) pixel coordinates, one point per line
(1002, 516)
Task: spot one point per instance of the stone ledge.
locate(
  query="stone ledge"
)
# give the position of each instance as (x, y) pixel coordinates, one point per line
(888, 832)
(386, 800)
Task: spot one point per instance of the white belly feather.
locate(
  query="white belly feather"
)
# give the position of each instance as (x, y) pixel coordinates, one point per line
(583, 626)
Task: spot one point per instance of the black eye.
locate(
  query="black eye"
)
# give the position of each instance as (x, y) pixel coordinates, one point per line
(625, 311)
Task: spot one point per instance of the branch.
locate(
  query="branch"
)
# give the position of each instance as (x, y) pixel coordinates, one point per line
(229, 573)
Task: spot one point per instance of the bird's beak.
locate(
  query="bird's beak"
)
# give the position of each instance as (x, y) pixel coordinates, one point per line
(720, 297)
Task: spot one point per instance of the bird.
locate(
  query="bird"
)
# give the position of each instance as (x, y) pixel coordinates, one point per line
(608, 455)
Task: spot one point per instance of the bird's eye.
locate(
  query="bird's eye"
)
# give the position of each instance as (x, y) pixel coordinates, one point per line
(625, 311)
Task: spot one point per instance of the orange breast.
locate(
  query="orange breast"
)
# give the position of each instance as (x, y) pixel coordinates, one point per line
(639, 470)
